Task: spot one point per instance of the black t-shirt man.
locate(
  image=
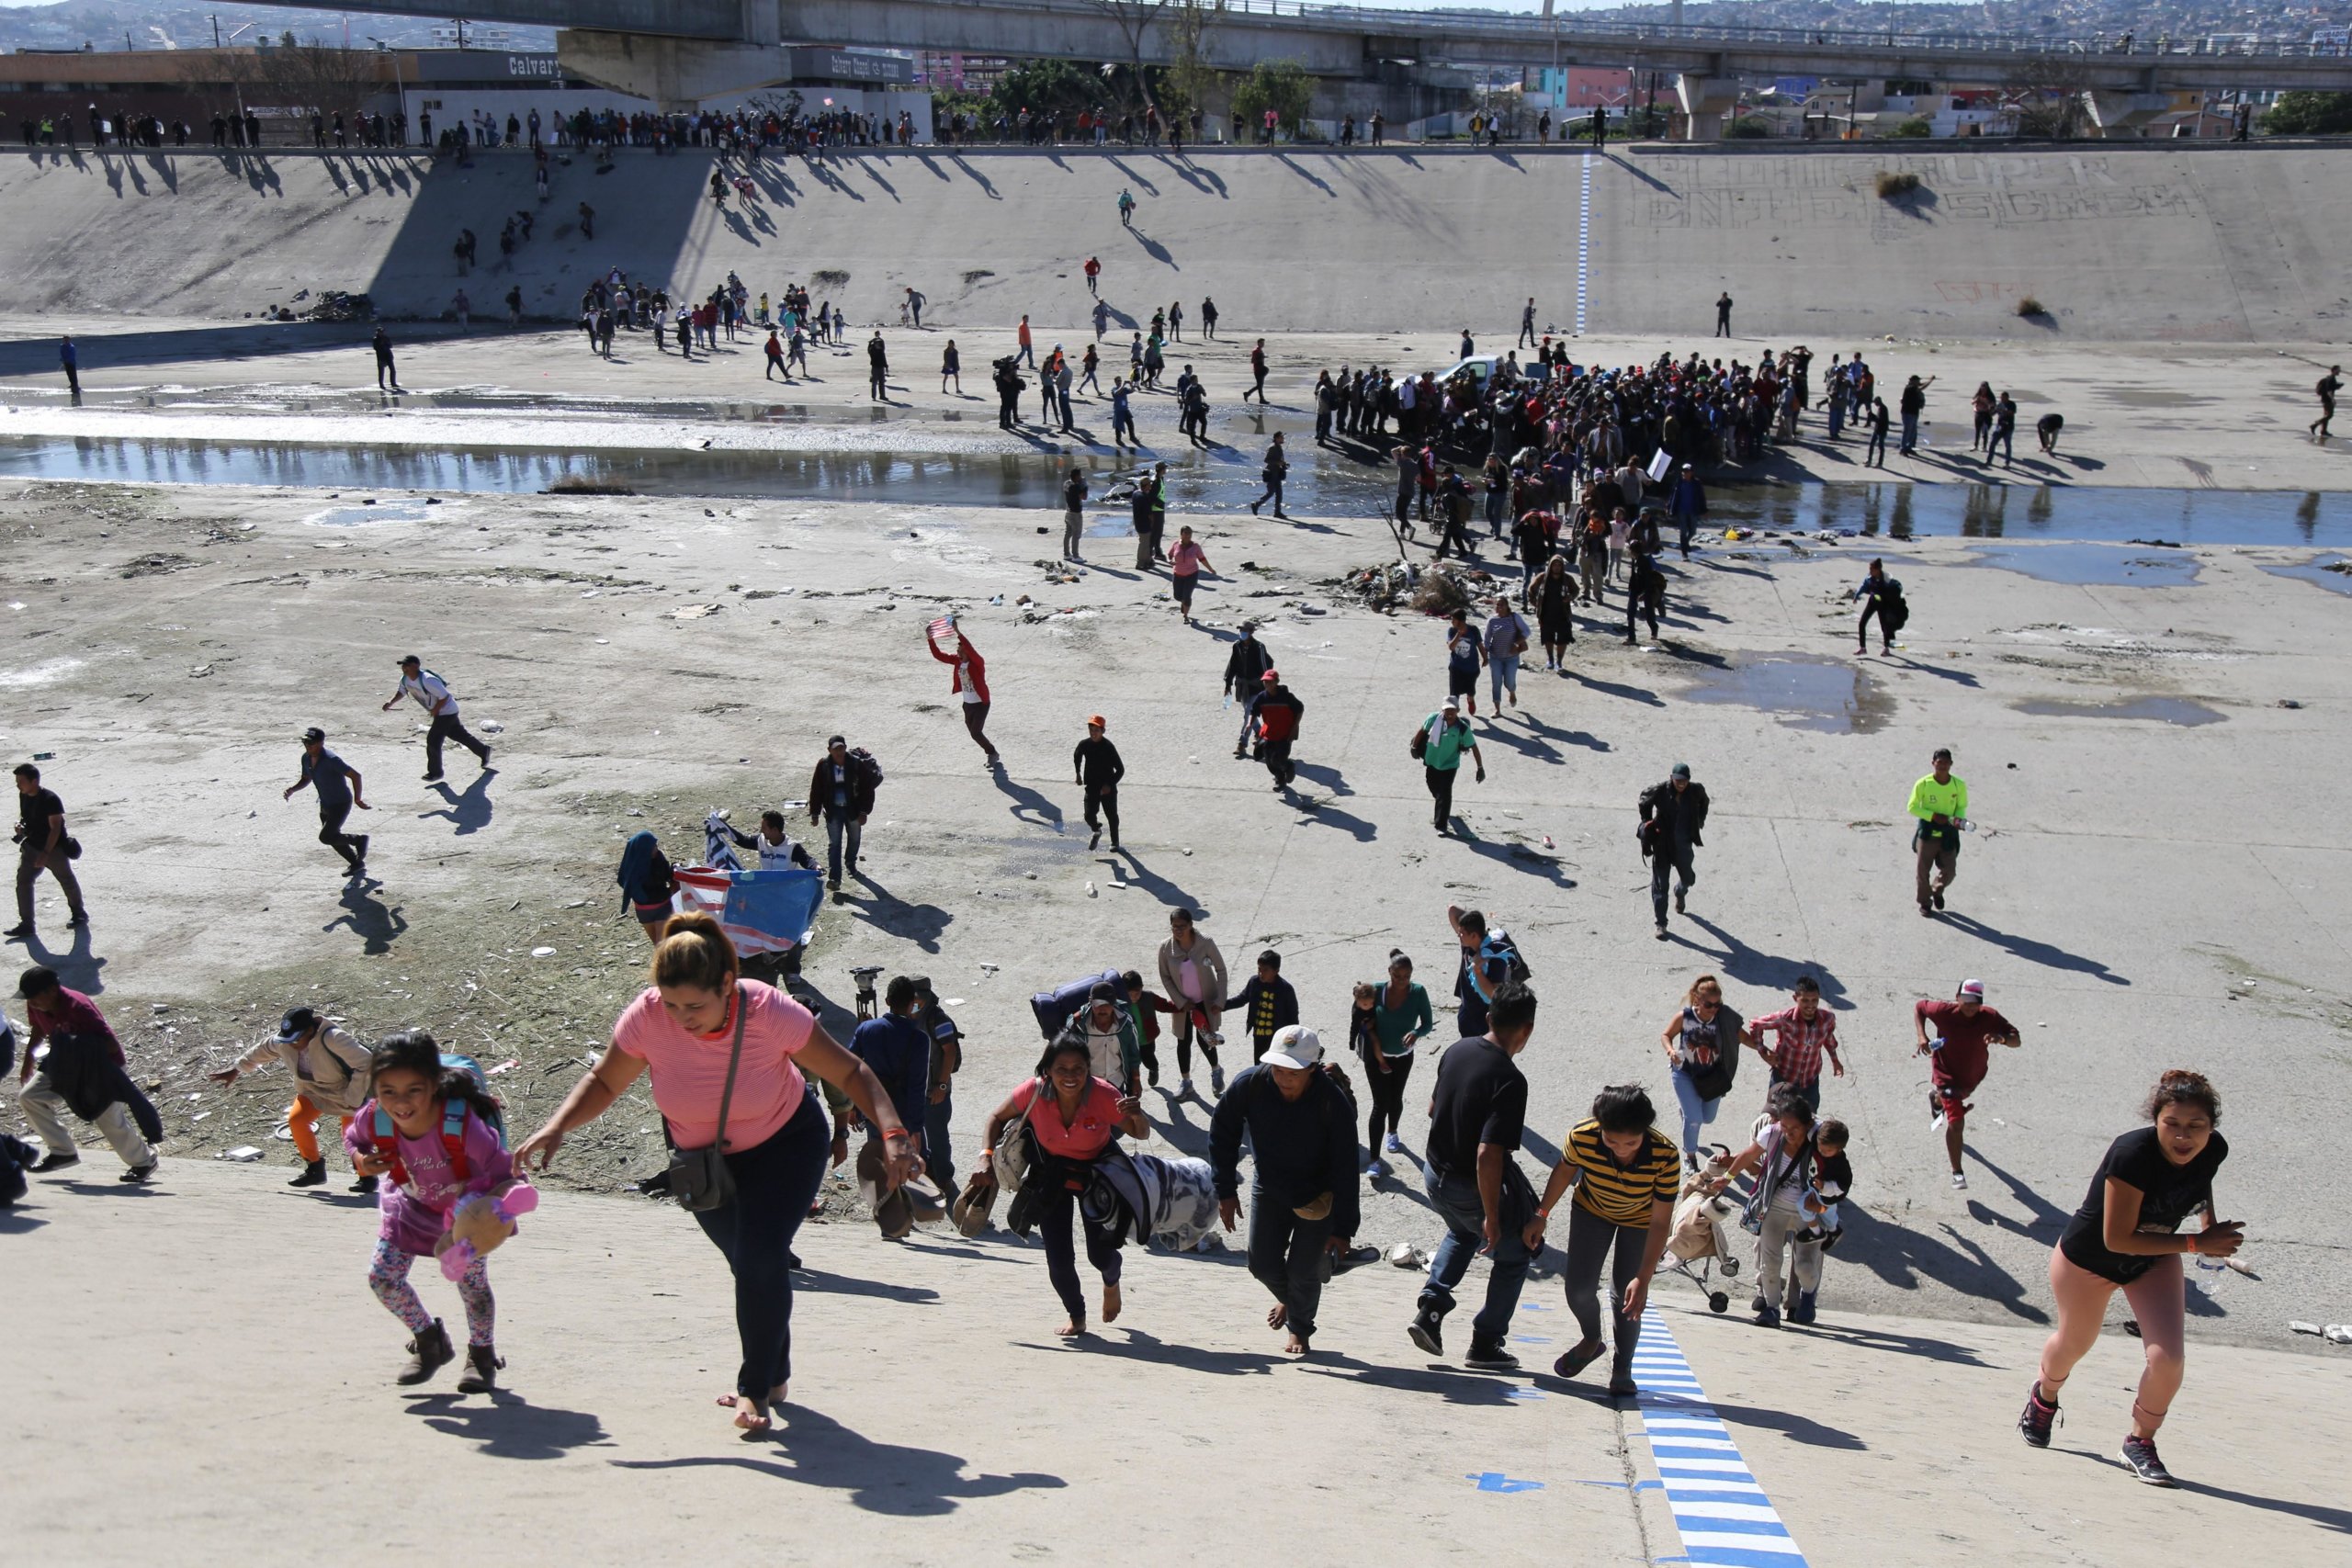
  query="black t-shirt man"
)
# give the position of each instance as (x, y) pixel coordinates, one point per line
(36, 809)
(1481, 1098)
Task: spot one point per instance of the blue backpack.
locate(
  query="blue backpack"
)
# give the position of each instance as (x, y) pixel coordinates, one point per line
(386, 1137)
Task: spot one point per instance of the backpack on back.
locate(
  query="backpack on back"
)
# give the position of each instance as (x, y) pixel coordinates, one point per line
(386, 1137)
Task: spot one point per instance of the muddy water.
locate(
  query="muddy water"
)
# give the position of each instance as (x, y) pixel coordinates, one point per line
(1828, 696)
(2178, 712)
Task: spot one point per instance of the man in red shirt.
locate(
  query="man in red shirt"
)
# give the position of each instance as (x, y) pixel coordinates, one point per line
(1965, 1028)
(84, 1073)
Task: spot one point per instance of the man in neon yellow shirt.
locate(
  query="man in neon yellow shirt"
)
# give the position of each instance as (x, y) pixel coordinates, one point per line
(1939, 803)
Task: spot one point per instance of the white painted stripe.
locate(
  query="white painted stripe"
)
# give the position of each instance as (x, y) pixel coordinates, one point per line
(1708, 1487)
(1778, 1545)
(1669, 1465)
(1584, 242)
(1685, 1510)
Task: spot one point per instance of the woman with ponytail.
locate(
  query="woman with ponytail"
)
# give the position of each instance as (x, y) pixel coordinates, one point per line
(2126, 1237)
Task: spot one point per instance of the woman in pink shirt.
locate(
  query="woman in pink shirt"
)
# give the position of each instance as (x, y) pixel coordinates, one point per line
(1185, 564)
(683, 1030)
(1075, 1116)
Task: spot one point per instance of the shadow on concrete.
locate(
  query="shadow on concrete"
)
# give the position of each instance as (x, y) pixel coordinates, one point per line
(77, 967)
(1928, 1347)
(1749, 968)
(510, 1427)
(1903, 1258)
(881, 1478)
(1796, 1428)
(244, 340)
(921, 924)
(470, 811)
(2047, 955)
(376, 927)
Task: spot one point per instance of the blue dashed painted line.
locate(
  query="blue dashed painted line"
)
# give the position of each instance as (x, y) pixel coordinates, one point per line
(1584, 242)
(1724, 1517)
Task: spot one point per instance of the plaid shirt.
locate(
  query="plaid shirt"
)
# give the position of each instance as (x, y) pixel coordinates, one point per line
(1796, 1056)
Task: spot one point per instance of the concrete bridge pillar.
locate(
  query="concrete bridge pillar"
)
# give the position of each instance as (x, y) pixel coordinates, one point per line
(1705, 100)
(676, 72)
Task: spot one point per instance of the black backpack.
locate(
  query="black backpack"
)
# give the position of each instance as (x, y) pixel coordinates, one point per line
(870, 769)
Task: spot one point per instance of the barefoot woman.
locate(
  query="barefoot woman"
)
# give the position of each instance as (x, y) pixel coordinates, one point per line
(683, 1030)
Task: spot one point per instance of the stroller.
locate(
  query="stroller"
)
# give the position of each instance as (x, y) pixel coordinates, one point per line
(1700, 1243)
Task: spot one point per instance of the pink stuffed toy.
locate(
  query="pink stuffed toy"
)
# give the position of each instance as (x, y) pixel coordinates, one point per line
(479, 1223)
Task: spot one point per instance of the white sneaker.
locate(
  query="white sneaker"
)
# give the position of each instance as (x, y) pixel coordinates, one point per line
(1378, 1169)
(1395, 1144)
(1935, 1122)
(1960, 1182)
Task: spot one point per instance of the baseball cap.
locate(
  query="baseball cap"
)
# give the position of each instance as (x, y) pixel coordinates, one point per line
(409, 659)
(296, 1023)
(1097, 721)
(1972, 988)
(1681, 771)
(314, 733)
(834, 740)
(1271, 675)
(1294, 1045)
(1454, 705)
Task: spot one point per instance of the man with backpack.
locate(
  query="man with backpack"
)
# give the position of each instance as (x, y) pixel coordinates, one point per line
(841, 795)
(330, 1072)
(1672, 815)
(1274, 714)
(85, 1073)
(1490, 960)
(1303, 1195)
(1244, 666)
(432, 694)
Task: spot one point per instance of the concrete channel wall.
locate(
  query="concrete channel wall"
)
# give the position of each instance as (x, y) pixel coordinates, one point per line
(2120, 244)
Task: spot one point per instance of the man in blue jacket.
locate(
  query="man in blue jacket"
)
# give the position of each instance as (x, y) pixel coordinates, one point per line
(1690, 505)
(1303, 1194)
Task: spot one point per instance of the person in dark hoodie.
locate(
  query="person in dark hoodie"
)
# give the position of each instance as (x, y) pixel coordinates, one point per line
(1303, 1191)
(841, 795)
(1096, 765)
(1244, 666)
(1267, 1001)
(1274, 714)
(84, 1073)
(647, 884)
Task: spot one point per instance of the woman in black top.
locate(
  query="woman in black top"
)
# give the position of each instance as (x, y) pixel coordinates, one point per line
(2125, 1237)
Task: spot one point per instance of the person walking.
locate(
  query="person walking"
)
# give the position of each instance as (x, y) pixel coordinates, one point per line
(1093, 270)
(1938, 809)
(2127, 1236)
(1400, 1017)
(897, 1049)
(1245, 668)
(877, 368)
(1782, 1155)
(1027, 351)
(1465, 655)
(970, 682)
(2005, 433)
(729, 1061)
(69, 359)
(841, 795)
(915, 302)
(1504, 641)
(1673, 817)
(330, 1079)
(1980, 409)
(1186, 561)
(84, 1072)
(1095, 766)
(1958, 1059)
(2327, 387)
(1702, 1045)
(1208, 317)
(1075, 1117)
(1073, 511)
(1477, 1116)
(946, 1061)
(337, 784)
(1803, 1033)
(1257, 375)
(432, 694)
(1555, 594)
(951, 368)
(44, 844)
(1687, 505)
(388, 375)
(1305, 1204)
(1276, 712)
(1149, 507)
(1192, 974)
(1626, 1180)
(1527, 316)
(1875, 457)
(1277, 466)
(1440, 742)
(1882, 598)
(1723, 313)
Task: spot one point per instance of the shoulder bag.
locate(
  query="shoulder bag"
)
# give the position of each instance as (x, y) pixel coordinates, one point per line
(699, 1178)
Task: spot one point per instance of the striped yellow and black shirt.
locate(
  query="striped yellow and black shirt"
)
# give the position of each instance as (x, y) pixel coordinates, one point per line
(1623, 1194)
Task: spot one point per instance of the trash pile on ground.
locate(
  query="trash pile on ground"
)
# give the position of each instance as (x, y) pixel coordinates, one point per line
(1381, 588)
(334, 305)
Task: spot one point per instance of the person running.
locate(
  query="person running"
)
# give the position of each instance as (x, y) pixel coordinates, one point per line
(1075, 1117)
(727, 1058)
(1504, 641)
(1095, 766)
(1958, 1057)
(1673, 820)
(1258, 376)
(1304, 1198)
(946, 1061)
(1186, 562)
(1782, 1157)
(1093, 278)
(1399, 1017)
(649, 884)
(1882, 598)
(1465, 655)
(970, 680)
(330, 1079)
(432, 694)
(44, 844)
(1477, 1116)
(338, 787)
(435, 1132)
(1938, 809)
(951, 368)
(1106, 1027)
(1026, 354)
(2126, 1236)
(1277, 712)
(1192, 971)
(1626, 1178)
(84, 1072)
(1267, 1002)
(1804, 1033)
(841, 795)
(2328, 385)
(1555, 593)
(1442, 738)
(897, 1048)
(1702, 1046)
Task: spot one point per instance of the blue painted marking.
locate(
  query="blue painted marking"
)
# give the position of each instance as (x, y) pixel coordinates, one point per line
(1701, 1464)
(1524, 1393)
(1496, 1481)
(1529, 1339)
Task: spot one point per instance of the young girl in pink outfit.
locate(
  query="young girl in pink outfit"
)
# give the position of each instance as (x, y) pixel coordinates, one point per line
(436, 1134)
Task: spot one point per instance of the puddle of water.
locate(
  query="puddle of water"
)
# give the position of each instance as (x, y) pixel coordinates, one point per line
(370, 514)
(1324, 485)
(2177, 711)
(1821, 694)
(2331, 572)
(2098, 565)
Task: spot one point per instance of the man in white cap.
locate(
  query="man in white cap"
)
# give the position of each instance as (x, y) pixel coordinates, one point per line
(1446, 735)
(1957, 1056)
(1303, 1194)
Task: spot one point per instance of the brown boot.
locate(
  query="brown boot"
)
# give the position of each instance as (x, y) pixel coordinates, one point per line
(482, 1369)
(428, 1353)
